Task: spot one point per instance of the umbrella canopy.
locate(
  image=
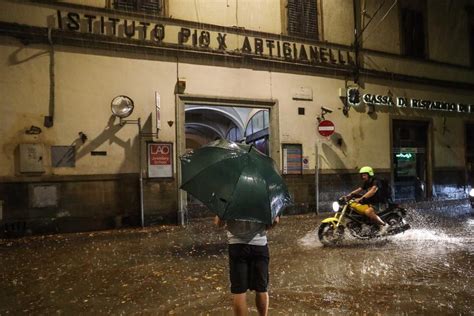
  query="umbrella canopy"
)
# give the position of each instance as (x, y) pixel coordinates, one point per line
(235, 181)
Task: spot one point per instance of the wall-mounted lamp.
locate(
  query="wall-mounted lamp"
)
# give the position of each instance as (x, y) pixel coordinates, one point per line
(33, 130)
(343, 97)
(83, 137)
(371, 109)
(181, 85)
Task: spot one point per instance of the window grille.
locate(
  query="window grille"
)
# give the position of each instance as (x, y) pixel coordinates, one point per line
(146, 6)
(303, 18)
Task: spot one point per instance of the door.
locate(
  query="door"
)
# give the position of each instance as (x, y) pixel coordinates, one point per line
(469, 137)
(410, 160)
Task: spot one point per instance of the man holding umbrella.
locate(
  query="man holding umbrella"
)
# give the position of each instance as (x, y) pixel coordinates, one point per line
(243, 187)
(248, 262)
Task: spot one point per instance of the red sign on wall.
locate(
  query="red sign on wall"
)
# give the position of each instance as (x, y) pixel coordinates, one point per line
(160, 160)
(326, 128)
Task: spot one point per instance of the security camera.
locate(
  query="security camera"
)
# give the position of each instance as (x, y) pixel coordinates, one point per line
(326, 109)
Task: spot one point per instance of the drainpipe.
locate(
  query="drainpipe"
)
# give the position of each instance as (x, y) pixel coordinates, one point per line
(49, 119)
(356, 12)
(142, 211)
(316, 176)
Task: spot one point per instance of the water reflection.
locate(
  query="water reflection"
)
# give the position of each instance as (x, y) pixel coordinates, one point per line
(173, 270)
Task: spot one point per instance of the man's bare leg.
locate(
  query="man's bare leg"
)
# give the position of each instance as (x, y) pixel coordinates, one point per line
(239, 304)
(374, 217)
(262, 302)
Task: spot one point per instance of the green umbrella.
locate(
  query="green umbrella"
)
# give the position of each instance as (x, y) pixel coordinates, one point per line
(235, 181)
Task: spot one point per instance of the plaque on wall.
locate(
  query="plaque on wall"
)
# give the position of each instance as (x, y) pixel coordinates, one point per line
(160, 160)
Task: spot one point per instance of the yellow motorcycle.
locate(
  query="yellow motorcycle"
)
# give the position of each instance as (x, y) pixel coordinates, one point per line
(331, 230)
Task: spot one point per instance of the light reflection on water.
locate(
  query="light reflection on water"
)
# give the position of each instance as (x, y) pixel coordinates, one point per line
(427, 269)
(310, 240)
(423, 235)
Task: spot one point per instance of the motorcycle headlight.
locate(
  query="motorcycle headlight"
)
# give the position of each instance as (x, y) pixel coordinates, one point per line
(471, 193)
(335, 206)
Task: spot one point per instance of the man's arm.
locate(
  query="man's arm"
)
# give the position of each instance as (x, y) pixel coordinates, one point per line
(356, 191)
(275, 222)
(370, 193)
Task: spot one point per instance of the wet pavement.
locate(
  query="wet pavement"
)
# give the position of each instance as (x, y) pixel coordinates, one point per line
(174, 270)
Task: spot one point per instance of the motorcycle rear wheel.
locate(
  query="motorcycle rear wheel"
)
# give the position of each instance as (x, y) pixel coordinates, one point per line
(329, 236)
(397, 224)
(394, 220)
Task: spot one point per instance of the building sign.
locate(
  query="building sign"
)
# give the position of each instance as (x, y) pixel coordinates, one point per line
(162, 34)
(424, 104)
(160, 160)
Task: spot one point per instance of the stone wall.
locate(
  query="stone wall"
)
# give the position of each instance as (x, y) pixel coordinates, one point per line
(71, 204)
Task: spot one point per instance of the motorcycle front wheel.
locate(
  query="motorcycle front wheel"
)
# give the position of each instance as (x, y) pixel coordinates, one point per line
(329, 236)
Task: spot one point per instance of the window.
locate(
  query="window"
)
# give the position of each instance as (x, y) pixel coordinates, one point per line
(234, 134)
(258, 122)
(413, 35)
(256, 131)
(471, 35)
(147, 6)
(303, 18)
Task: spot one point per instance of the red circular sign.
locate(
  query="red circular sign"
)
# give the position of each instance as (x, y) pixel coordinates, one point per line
(326, 128)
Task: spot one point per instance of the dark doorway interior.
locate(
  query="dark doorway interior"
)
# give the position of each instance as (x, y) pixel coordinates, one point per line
(410, 159)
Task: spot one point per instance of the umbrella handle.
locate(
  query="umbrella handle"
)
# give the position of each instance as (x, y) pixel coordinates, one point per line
(250, 148)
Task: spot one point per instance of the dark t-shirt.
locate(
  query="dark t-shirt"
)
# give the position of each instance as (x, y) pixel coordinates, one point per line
(366, 185)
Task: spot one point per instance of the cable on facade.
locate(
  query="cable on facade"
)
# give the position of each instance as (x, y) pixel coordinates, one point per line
(49, 119)
(382, 19)
(371, 19)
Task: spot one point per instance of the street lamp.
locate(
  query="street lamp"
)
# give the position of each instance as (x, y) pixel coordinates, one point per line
(122, 107)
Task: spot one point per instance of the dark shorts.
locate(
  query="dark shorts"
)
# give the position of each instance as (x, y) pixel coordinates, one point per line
(248, 265)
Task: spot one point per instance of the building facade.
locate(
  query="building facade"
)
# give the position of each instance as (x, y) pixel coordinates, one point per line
(322, 86)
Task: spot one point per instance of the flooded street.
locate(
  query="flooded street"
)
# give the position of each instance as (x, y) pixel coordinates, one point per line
(174, 270)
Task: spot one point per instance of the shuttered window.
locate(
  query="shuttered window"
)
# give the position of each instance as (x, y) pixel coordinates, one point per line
(472, 44)
(303, 18)
(413, 31)
(146, 6)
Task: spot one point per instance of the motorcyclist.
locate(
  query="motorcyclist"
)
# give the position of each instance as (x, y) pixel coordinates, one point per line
(365, 203)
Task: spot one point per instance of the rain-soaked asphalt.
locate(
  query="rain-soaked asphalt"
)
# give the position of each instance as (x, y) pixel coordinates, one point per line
(173, 270)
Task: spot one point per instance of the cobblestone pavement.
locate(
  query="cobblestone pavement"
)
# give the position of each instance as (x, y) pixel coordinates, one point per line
(183, 270)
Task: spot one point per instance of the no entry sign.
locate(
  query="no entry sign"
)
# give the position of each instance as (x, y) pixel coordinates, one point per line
(326, 128)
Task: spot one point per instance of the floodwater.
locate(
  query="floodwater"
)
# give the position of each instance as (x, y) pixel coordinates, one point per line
(174, 270)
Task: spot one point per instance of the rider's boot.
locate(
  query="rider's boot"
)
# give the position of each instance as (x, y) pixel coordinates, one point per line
(384, 229)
